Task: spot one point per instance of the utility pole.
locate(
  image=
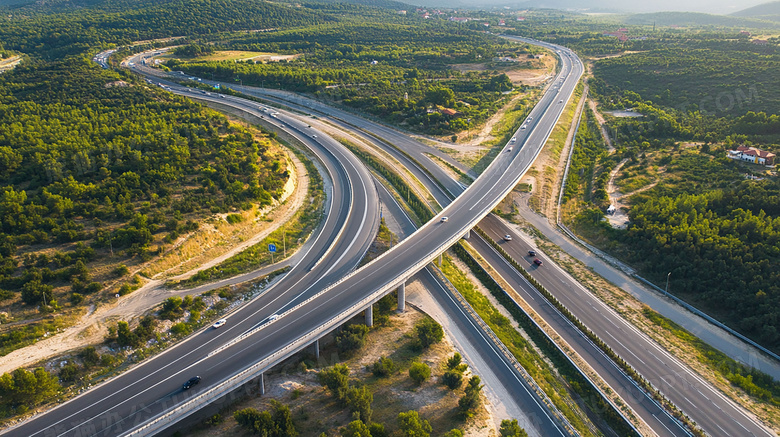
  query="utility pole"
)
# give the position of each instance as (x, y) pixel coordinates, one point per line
(667, 282)
(284, 242)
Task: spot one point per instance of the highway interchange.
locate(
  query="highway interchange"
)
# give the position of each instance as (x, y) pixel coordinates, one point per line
(145, 391)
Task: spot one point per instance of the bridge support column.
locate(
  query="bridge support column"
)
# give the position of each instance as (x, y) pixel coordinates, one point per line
(262, 383)
(467, 235)
(402, 297)
(317, 349)
(370, 315)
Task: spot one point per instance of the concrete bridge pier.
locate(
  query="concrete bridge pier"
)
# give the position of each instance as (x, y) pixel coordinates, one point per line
(402, 297)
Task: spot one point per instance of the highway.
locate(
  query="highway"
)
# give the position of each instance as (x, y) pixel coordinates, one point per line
(128, 400)
(666, 373)
(352, 216)
(140, 394)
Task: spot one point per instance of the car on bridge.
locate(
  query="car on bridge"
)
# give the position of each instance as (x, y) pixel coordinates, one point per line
(195, 380)
(219, 323)
(537, 261)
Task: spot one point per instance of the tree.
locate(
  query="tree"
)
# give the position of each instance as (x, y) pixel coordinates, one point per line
(126, 337)
(419, 372)
(282, 421)
(454, 433)
(359, 401)
(34, 292)
(352, 337)
(510, 428)
(356, 428)
(428, 332)
(336, 379)
(382, 367)
(453, 379)
(90, 357)
(470, 400)
(23, 388)
(411, 425)
(454, 361)
(172, 308)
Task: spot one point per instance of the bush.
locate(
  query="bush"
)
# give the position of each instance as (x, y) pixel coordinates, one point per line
(470, 400)
(181, 329)
(383, 367)
(428, 332)
(411, 425)
(336, 379)
(351, 338)
(172, 308)
(419, 372)
(121, 270)
(453, 379)
(359, 401)
(454, 433)
(510, 428)
(69, 372)
(90, 357)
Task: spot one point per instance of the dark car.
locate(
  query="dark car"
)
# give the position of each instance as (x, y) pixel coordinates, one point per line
(537, 261)
(192, 382)
(531, 253)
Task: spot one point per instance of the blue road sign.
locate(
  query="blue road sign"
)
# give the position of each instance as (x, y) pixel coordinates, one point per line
(272, 247)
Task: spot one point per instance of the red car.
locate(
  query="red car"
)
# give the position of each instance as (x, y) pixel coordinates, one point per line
(537, 261)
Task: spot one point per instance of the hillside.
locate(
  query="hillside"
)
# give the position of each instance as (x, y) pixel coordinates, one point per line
(767, 11)
(33, 30)
(690, 19)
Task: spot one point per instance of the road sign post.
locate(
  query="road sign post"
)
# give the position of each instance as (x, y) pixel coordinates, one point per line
(272, 249)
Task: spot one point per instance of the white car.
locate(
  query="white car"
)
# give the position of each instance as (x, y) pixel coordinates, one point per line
(273, 317)
(508, 149)
(444, 219)
(522, 127)
(219, 323)
(507, 237)
(513, 139)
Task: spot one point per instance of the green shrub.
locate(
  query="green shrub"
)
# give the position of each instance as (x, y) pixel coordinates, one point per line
(384, 366)
(419, 372)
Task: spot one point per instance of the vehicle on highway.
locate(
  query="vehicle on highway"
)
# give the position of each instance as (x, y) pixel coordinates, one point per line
(537, 261)
(273, 317)
(195, 380)
(314, 136)
(513, 139)
(219, 323)
(531, 253)
(444, 219)
(507, 237)
(522, 127)
(509, 149)
(560, 101)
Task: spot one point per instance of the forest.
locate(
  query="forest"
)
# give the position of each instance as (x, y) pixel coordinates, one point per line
(95, 161)
(699, 95)
(399, 73)
(49, 31)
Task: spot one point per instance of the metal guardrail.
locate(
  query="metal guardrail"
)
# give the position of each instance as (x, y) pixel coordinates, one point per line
(565, 354)
(165, 419)
(509, 357)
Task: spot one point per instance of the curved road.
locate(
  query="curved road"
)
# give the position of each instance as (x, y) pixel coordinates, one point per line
(129, 399)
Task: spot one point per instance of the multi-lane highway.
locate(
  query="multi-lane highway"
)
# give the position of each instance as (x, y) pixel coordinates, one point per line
(154, 386)
(695, 397)
(142, 393)
(352, 216)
